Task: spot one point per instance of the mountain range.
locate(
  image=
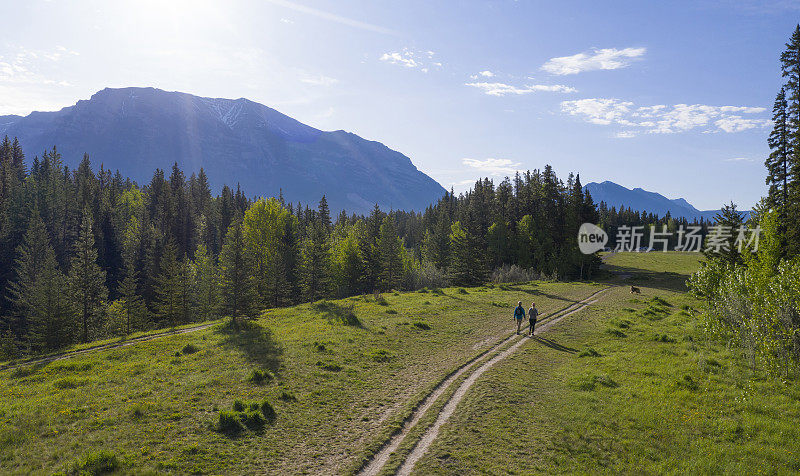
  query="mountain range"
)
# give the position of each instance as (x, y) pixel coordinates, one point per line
(236, 141)
(615, 195)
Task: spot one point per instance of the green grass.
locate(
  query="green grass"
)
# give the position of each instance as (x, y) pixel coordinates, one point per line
(663, 399)
(344, 374)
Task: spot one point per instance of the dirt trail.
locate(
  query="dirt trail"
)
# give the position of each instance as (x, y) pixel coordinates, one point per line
(114, 345)
(380, 459)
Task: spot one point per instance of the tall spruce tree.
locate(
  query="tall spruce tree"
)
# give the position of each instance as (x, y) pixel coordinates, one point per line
(87, 281)
(391, 254)
(238, 295)
(790, 69)
(778, 162)
(43, 314)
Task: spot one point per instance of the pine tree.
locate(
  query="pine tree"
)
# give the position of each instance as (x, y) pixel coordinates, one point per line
(169, 289)
(778, 161)
(238, 296)
(790, 69)
(42, 311)
(205, 282)
(135, 310)
(390, 248)
(87, 281)
(316, 264)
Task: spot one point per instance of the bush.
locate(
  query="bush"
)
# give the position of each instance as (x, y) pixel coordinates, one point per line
(337, 313)
(95, 463)
(229, 422)
(422, 325)
(514, 274)
(190, 349)
(425, 276)
(391, 311)
(252, 415)
(287, 396)
(462, 291)
(258, 376)
(615, 332)
(380, 355)
(590, 352)
(328, 365)
(663, 338)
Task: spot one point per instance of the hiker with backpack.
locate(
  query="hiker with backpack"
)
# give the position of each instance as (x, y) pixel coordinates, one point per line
(533, 313)
(519, 315)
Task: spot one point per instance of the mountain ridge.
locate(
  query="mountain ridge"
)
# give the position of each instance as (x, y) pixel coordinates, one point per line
(639, 199)
(236, 141)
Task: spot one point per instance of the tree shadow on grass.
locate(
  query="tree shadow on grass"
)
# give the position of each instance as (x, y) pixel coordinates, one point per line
(554, 345)
(254, 342)
(336, 313)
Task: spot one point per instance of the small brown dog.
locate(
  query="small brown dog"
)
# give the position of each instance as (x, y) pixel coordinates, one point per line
(635, 290)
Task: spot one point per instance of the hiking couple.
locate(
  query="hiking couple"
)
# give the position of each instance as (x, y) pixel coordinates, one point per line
(519, 315)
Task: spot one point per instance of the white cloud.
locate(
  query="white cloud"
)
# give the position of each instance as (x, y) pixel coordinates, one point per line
(486, 74)
(406, 59)
(663, 119)
(412, 59)
(24, 66)
(287, 21)
(320, 80)
(625, 134)
(493, 166)
(502, 89)
(606, 58)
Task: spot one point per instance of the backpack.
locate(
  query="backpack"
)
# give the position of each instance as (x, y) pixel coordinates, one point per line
(519, 312)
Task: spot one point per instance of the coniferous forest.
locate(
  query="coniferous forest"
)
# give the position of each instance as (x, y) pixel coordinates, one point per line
(88, 254)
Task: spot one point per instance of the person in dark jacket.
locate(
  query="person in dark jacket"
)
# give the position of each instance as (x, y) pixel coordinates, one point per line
(519, 315)
(533, 313)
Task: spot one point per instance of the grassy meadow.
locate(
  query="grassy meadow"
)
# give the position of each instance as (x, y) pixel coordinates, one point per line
(629, 385)
(340, 376)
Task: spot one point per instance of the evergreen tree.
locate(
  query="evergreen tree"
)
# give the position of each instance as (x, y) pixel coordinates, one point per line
(316, 268)
(390, 248)
(238, 295)
(778, 161)
(790, 69)
(42, 312)
(87, 281)
(205, 282)
(132, 302)
(170, 306)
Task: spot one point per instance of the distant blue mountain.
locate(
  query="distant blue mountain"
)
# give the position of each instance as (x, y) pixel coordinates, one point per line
(236, 141)
(615, 195)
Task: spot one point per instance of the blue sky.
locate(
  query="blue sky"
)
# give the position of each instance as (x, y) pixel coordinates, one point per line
(672, 97)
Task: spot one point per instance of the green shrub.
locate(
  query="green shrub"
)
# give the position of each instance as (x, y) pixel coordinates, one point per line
(258, 376)
(462, 291)
(422, 325)
(68, 382)
(687, 382)
(320, 347)
(380, 355)
(329, 366)
(615, 332)
(337, 313)
(380, 300)
(589, 382)
(252, 415)
(590, 352)
(190, 349)
(287, 396)
(391, 311)
(663, 338)
(95, 463)
(229, 422)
